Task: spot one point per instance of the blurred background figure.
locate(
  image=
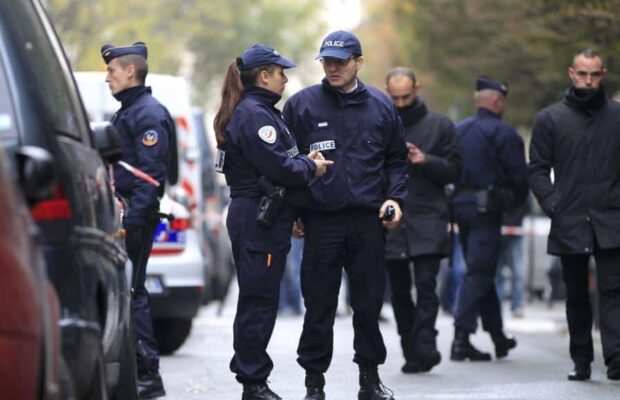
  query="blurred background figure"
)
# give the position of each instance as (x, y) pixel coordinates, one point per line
(290, 286)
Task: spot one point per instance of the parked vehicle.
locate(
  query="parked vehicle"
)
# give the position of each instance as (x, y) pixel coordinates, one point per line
(30, 360)
(174, 279)
(213, 222)
(79, 226)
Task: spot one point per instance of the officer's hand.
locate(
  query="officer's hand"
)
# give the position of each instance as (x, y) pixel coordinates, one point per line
(321, 164)
(415, 156)
(398, 214)
(316, 155)
(298, 229)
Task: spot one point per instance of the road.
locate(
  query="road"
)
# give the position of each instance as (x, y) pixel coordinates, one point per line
(535, 370)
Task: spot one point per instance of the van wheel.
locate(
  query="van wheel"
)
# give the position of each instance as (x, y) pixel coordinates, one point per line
(65, 380)
(171, 333)
(98, 389)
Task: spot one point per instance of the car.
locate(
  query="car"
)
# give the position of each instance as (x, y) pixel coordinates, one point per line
(30, 360)
(174, 278)
(214, 222)
(79, 226)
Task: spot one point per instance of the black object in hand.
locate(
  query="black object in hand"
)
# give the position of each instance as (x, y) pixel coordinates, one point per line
(389, 214)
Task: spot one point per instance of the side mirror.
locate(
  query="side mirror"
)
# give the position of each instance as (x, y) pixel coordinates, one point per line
(107, 141)
(37, 176)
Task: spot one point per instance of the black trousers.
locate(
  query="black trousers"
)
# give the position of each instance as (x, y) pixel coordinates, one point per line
(578, 307)
(355, 240)
(411, 318)
(477, 295)
(139, 243)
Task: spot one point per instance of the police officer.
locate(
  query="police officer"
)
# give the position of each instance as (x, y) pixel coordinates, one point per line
(493, 178)
(422, 236)
(255, 145)
(146, 130)
(358, 127)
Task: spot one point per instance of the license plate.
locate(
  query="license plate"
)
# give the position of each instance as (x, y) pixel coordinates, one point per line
(154, 285)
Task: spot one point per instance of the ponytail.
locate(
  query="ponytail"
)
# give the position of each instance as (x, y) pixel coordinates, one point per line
(232, 93)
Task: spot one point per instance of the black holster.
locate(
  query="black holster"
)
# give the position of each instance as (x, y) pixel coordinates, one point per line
(270, 204)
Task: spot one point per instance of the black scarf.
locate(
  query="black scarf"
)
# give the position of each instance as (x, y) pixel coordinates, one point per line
(412, 113)
(586, 99)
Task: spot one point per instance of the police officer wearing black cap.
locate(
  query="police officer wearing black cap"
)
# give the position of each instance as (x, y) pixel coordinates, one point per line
(268, 178)
(358, 127)
(147, 133)
(493, 178)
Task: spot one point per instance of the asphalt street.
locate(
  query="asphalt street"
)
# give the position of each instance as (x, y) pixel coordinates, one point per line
(535, 370)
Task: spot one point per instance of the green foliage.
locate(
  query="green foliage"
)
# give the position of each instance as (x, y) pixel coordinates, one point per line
(527, 43)
(196, 36)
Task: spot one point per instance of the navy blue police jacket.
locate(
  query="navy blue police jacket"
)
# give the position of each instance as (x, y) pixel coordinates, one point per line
(492, 154)
(259, 143)
(362, 133)
(145, 128)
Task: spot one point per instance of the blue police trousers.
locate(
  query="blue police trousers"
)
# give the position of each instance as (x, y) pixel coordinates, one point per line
(477, 295)
(356, 240)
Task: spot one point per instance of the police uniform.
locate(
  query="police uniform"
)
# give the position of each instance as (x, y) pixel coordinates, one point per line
(259, 144)
(361, 132)
(146, 130)
(493, 170)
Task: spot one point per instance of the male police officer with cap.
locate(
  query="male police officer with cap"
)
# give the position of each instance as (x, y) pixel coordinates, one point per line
(493, 178)
(358, 128)
(422, 236)
(147, 133)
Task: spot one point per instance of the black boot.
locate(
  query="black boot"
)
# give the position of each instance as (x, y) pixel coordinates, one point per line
(258, 391)
(613, 369)
(315, 382)
(371, 387)
(581, 372)
(426, 350)
(462, 349)
(503, 343)
(408, 345)
(150, 385)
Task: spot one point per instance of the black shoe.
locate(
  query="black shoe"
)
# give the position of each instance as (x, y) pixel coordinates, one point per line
(150, 385)
(258, 391)
(427, 361)
(613, 369)
(503, 343)
(581, 372)
(315, 382)
(371, 387)
(463, 350)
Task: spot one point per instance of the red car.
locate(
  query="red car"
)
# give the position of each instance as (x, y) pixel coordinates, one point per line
(29, 312)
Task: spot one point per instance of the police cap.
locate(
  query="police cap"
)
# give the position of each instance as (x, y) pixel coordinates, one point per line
(260, 54)
(484, 82)
(340, 44)
(110, 52)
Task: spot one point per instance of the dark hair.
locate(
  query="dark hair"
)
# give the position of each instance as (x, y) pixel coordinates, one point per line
(400, 71)
(589, 53)
(142, 67)
(235, 84)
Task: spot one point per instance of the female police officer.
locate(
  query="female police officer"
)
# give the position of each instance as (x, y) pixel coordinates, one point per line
(255, 144)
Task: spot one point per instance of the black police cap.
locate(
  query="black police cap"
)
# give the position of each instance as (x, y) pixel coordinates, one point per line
(261, 54)
(484, 82)
(110, 52)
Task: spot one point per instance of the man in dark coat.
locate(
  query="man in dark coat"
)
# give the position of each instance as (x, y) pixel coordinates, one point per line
(578, 138)
(493, 178)
(422, 236)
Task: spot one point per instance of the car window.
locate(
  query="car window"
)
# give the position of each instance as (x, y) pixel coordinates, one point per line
(8, 133)
(41, 53)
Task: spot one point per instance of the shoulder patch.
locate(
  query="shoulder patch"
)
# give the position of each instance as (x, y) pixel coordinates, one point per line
(150, 138)
(267, 134)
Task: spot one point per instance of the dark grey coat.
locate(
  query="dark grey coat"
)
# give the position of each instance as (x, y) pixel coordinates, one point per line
(423, 229)
(580, 141)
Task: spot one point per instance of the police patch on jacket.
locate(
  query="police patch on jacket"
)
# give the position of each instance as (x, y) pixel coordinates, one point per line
(292, 152)
(267, 134)
(324, 145)
(150, 138)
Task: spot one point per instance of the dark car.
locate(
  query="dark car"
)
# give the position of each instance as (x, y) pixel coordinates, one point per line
(30, 359)
(80, 225)
(213, 221)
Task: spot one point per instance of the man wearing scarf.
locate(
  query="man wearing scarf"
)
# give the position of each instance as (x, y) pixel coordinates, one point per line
(578, 139)
(421, 239)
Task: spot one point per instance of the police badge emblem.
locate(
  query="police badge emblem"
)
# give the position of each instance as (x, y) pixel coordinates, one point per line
(150, 138)
(267, 134)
